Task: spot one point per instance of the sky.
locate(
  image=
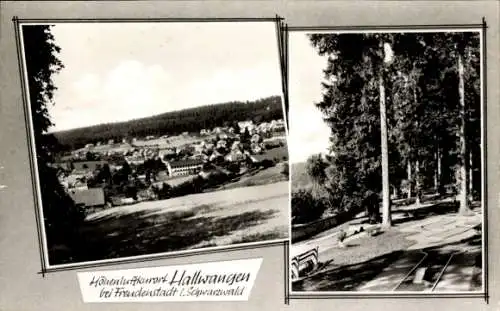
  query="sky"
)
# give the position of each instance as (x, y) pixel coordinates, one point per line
(308, 133)
(122, 71)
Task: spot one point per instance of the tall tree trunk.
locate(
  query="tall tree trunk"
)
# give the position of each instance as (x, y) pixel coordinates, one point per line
(408, 170)
(417, 183)
(470, 177)
(437, 171)
(463, 186)
(439, 187)
(417, 163)
(436, 174)
(386, 203)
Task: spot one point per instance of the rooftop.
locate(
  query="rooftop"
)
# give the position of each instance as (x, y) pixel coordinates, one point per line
(88, 197)
(187, 162)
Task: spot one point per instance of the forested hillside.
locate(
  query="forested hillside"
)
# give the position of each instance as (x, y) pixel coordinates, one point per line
(176, 122)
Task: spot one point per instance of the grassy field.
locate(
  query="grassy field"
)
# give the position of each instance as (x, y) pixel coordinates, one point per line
(260, 177)
(278, 153)
(171, 141)
(226, 217)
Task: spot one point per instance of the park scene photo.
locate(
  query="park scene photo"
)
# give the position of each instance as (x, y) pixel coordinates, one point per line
(386, 161)
(155, 138)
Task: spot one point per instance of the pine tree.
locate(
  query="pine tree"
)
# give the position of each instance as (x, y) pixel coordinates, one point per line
(61, 216)
(354, 95)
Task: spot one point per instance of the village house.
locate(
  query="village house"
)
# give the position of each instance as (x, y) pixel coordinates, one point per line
(167, 152)
(209, 147)
(236, 145)
(221, 144)
(147, 194)
(216, 156)
(115, 167)
(184, 167)
(201, 156)
(255, 138)
(235, 156)
(278, 125)
(135, 159)
(199, 148)
(62, 165)
(264, 126)
(244, 124)
(256, 148)
(74, 180)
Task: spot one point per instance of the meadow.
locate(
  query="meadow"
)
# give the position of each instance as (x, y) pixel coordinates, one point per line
(222, 218)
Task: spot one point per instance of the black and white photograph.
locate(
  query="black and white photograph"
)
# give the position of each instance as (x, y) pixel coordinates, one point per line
(387, 165)
(155, 138)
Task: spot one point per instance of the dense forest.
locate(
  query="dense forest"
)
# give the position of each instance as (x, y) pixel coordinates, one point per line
(175, 122)
(404, 111)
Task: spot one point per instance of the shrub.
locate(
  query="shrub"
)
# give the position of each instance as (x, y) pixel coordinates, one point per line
(305, 207)
(197, 184)
(234, 168)
(342, 235)
(267, 163)
(285, 169)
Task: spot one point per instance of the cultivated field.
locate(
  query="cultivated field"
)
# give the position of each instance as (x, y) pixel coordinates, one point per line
(265, 176)
(240, 215)
(171, 141)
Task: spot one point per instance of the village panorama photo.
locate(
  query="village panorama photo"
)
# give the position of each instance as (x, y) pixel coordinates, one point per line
(387, 189)
(155, 138)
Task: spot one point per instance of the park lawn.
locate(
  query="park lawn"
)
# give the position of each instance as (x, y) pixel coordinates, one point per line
(367, 247)
(359, 265)
(240, 215)
(360, 261)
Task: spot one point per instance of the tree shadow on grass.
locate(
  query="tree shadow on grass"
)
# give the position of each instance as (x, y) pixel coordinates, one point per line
(346, 278)
(419, 213)
(475, 240)
(141, 233)
(331, 277)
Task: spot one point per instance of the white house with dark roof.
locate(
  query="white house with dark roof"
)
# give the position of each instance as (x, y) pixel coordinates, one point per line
(184, 167)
